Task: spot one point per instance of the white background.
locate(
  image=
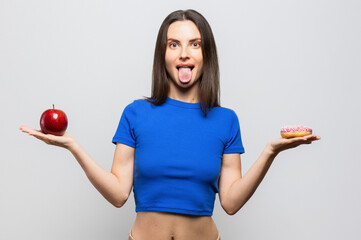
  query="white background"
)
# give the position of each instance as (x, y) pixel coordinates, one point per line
(282, 63)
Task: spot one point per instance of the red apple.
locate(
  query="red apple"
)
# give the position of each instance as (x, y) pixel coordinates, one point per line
(53, 121)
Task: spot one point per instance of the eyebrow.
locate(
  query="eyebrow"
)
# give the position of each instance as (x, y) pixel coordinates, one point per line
(175, 40)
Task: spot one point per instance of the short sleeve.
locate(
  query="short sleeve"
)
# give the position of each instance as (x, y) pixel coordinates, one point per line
(125, 131)
(234, 143)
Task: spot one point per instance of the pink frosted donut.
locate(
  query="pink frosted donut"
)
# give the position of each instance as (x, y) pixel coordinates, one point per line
(295, 131)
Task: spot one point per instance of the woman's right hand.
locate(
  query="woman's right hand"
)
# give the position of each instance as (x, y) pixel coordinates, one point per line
(65, 141)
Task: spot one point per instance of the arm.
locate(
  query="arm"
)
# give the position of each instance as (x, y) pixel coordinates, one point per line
(236, 190)
(116, 185)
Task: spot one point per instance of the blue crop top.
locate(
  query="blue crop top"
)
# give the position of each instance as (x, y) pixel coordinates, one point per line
(178, 153)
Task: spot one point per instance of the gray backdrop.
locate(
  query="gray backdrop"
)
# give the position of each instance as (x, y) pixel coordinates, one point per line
(282, 62)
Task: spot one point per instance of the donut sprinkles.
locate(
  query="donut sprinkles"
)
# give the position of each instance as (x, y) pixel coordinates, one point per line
(295, 131)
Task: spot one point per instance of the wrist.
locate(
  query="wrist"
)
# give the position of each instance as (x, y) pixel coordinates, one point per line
(72, 146)
(269, 150)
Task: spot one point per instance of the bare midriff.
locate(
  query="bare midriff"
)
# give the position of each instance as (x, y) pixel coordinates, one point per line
(172, 226)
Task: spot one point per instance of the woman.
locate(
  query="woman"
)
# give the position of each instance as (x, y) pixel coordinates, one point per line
(178, 148)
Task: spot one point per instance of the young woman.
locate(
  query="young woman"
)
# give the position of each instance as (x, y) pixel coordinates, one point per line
(179, 147)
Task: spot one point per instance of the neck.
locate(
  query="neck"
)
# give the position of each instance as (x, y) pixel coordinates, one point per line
(189, 95)
(188, 99)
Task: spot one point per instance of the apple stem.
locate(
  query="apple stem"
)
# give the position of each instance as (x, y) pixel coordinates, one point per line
(53, 106)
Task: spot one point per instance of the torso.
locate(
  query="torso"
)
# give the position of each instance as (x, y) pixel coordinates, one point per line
(186, 182)
(170, 226)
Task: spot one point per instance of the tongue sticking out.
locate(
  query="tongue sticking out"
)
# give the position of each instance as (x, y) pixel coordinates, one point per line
(184, 74)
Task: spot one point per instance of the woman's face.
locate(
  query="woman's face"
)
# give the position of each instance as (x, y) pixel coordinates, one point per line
(183, 56)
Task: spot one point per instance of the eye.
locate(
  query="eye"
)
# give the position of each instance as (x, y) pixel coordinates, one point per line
(196, 44)
(173, 45)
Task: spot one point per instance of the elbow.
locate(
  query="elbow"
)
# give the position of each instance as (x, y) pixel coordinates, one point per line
(231, 209)
(118, 205)
(231, 213)
(120, 201)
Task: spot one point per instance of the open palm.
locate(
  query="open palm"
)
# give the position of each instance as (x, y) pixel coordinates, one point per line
(281, 144)
(64, 141)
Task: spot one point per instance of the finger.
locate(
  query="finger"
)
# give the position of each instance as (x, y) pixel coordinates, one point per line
(297, 140)
(41, 138)
(40, 135)
(312, 137)
(25, 128)
(305, 139)
(28, 129)
(36, 133)
(308, 141)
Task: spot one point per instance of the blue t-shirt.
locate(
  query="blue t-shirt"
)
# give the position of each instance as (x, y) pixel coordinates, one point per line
(178, 153)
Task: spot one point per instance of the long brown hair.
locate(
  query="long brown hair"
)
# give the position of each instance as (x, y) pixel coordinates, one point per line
(208, 90)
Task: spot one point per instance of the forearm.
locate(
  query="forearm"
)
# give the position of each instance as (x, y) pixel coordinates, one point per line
(243, 189)
(104, 181)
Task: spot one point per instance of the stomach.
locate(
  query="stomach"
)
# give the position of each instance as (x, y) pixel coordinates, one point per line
(173, 226)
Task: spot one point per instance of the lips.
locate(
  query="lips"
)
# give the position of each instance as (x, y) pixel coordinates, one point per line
(191, 66)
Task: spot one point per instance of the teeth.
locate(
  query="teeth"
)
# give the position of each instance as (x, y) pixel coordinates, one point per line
(185, 67)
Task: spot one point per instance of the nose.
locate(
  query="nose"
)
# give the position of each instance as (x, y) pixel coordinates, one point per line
(184, 55)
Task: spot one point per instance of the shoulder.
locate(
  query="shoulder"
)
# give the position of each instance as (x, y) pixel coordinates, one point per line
(138, 107)
(136, 104)
(224, 112)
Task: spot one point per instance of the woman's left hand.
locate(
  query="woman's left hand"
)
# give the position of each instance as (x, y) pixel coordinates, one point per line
(278, 145)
